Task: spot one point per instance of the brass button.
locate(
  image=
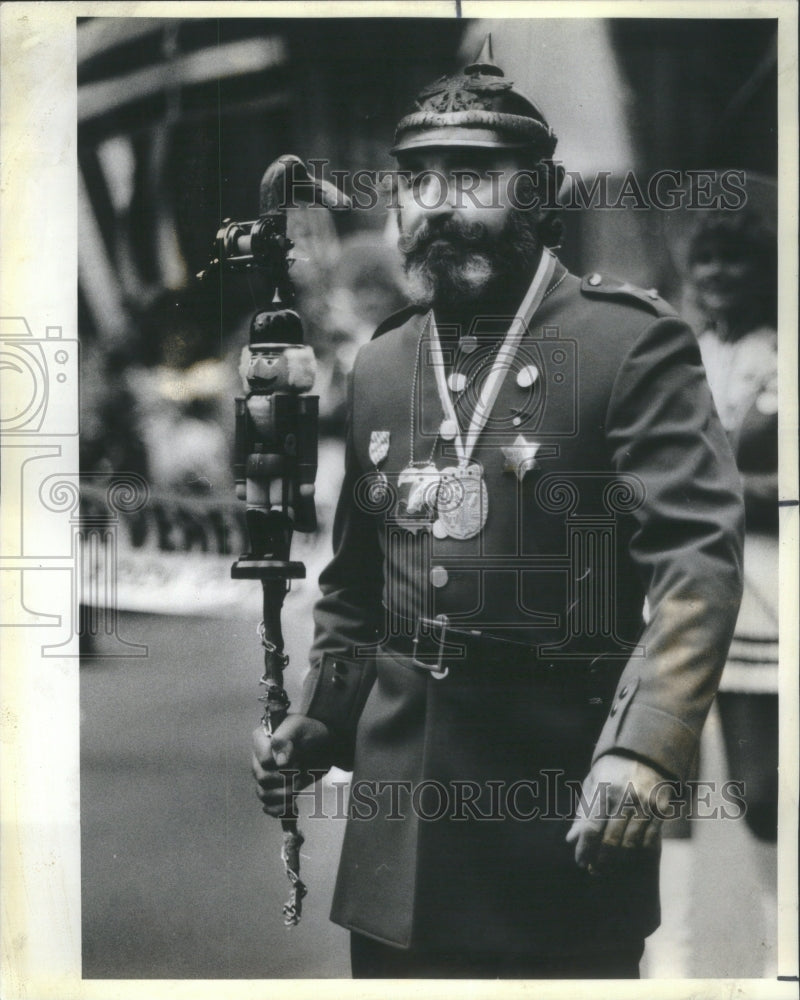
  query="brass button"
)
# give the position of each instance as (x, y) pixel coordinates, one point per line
(527, 376)
(652, 293)
(339, 668)
(613, 710)
(595, 279)
(457, 381)
(337, 681)
(623, 691)
(448, 429)
(439, 576)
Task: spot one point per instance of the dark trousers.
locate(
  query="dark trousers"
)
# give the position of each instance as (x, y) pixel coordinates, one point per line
(371, 959)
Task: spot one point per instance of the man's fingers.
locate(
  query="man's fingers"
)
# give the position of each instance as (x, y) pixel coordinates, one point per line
(260, 773)
(276, 792)
(603, 851)
(634, 832)
(615, 831)
(270, 776)
(282, 750)
(277, 750)
(262, 748)
(587, 840)
(299, 741)
(652, 835)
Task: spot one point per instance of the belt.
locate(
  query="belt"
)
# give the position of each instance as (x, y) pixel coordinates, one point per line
(437, 647)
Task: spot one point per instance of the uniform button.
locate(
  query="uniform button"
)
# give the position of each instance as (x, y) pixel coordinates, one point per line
(595, 279)
(448, 429)
(339, 668)
(613, 710)
(652, 293)
(439, 576)
(337, 681)
(623, 691)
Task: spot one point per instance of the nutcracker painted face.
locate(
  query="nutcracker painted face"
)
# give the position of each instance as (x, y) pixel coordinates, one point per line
(279, 368)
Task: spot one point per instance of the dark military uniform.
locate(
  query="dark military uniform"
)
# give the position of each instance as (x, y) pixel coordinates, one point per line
(609, 479)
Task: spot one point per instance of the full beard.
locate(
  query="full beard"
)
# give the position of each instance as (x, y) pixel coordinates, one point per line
(450, 264)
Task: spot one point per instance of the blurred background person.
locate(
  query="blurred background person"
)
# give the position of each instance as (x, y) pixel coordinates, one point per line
(731, 297)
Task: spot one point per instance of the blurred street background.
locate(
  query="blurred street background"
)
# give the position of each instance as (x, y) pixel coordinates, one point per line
(177, 121)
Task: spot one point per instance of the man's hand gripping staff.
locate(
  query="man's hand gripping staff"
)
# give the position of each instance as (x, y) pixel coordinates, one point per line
(275, 460)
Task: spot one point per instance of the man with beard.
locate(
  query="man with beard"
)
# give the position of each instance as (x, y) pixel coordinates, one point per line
(529, 456)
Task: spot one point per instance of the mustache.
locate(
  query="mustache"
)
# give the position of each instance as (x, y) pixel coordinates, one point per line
(471, 235)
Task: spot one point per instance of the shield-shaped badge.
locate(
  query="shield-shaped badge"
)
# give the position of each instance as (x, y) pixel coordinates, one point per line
(378, 446)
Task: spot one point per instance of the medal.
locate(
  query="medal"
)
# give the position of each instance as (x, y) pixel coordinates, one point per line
(378, 446)
(520, 456)
(462, 502)
(455, 502)
(417, 488)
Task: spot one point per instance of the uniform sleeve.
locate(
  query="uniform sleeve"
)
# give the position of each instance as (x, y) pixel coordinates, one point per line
(662, 427)
(349, 614)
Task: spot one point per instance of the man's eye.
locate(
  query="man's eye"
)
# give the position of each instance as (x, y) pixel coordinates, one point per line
(411, 169)
(462, 174)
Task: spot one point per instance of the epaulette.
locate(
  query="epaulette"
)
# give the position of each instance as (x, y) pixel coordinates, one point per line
(601, 286)
(395, 320)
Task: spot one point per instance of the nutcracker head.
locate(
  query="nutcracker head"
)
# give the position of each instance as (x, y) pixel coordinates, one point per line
(277, 359)
(272, 368)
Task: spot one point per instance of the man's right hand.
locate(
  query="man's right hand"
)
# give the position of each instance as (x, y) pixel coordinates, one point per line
(299, 745)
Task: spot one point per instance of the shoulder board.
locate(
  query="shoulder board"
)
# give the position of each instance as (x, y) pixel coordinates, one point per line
(602, 286)
(396, 319)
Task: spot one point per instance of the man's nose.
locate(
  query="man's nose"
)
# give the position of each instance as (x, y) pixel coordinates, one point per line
(437, 195)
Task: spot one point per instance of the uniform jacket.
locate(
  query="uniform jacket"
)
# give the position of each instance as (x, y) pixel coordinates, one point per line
(632, 493)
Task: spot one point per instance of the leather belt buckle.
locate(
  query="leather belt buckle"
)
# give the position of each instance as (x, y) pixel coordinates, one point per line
(438, 670)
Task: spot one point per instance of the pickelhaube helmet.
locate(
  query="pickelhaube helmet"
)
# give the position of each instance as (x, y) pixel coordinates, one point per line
(477, 107)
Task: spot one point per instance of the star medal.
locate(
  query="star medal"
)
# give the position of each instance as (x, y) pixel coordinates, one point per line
(520, 456)
(417, 488)
(462, 502)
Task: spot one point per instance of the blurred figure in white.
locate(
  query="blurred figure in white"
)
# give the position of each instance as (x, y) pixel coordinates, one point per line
(731, 285)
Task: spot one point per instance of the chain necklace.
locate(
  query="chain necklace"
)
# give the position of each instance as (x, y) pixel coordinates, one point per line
(461, 394)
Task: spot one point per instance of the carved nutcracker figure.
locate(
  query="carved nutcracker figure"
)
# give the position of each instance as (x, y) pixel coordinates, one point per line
(275, 460)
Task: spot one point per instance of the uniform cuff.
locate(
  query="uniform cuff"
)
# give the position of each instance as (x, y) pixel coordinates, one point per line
(652, 735)
(336, 697)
